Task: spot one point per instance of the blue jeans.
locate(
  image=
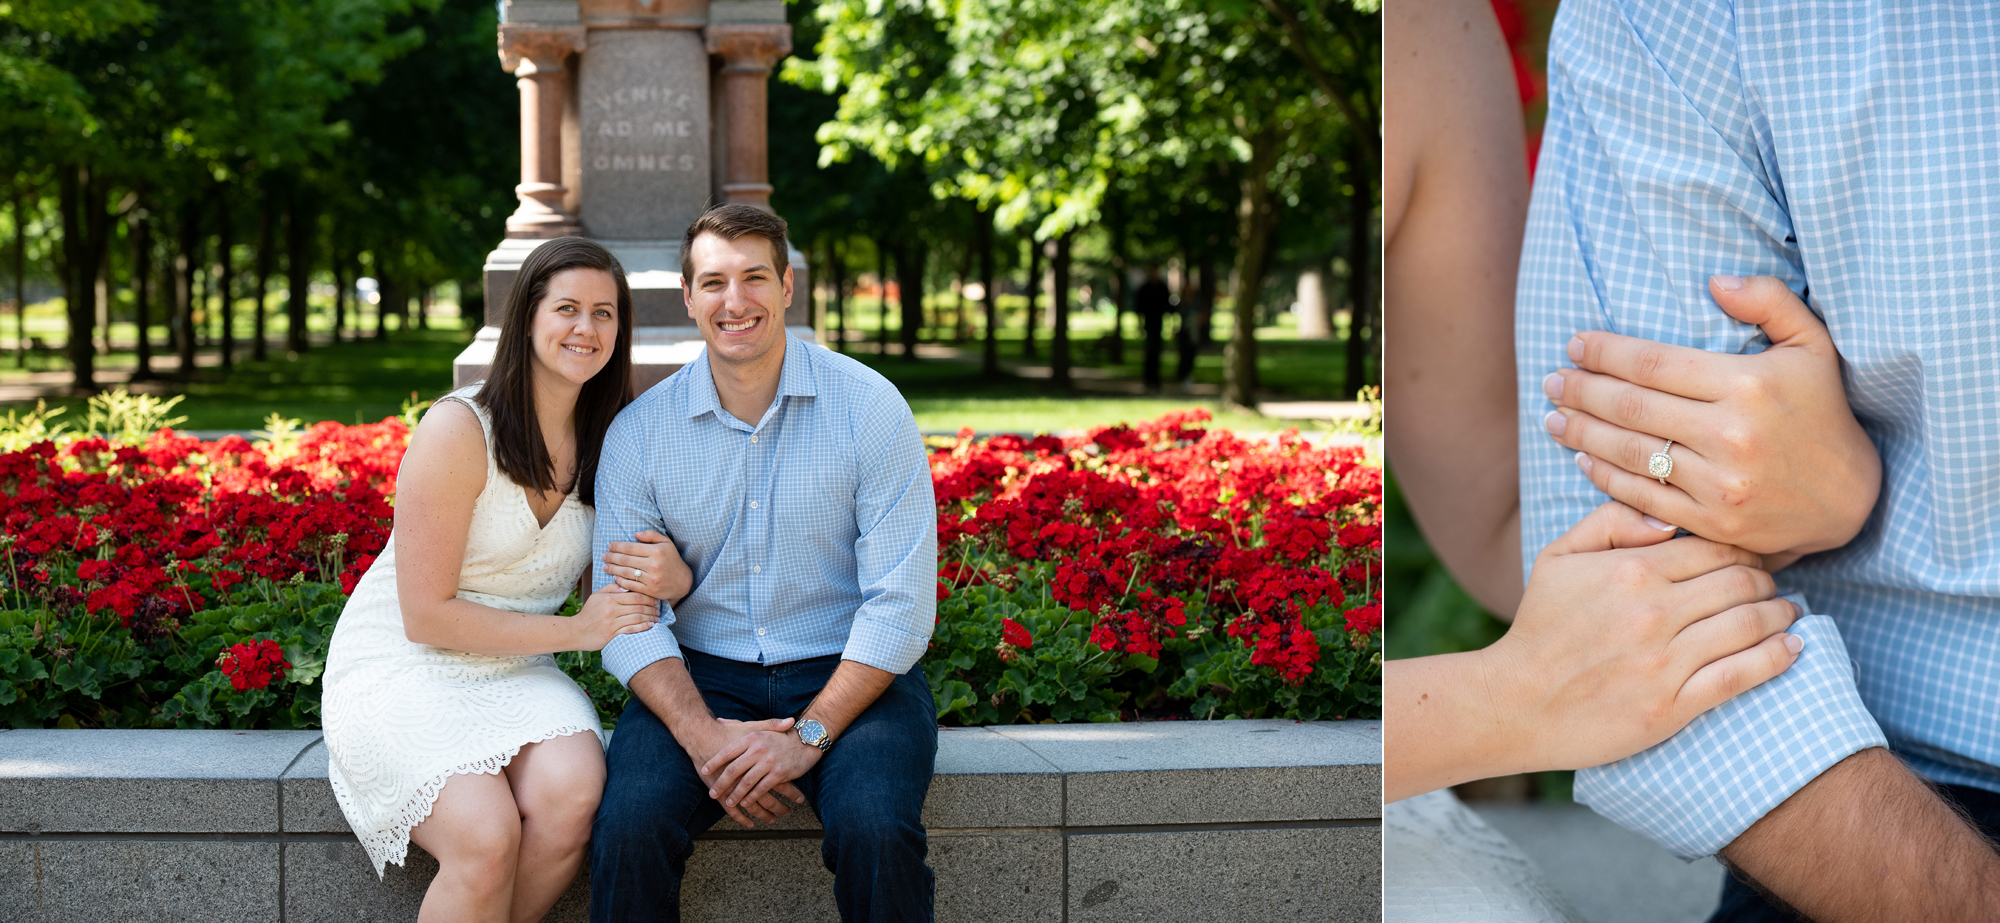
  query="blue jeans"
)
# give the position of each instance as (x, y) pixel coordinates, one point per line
(868, 792)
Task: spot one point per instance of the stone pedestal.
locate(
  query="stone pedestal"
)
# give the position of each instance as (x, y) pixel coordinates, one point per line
(663, 117)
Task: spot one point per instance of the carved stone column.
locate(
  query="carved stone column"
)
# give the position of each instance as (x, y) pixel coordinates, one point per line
(748, 51)
(535, 55)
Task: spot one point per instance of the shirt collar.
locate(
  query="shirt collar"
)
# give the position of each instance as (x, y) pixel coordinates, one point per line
(796, 379)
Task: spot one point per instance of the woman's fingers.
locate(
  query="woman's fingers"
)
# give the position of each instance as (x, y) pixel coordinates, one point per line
(1611, 525)
(1768, 303)
(1720, 591)
(1687, 558)
(1629, 450)
(1664, 502)
(1680, 370)
(1737, 628)
(1737, 673)
(1637, 408)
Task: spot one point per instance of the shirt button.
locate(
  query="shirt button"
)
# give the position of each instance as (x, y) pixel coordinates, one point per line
(757, 569)
(760, 632)
(753, 437)
(753, 504)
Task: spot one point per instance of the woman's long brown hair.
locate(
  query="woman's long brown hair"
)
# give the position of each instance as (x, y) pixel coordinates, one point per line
(509, 392)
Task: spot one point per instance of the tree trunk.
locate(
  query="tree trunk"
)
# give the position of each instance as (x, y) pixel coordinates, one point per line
(1034, 290)
(226, 242)
(989, 364)
(814, 303)
(20, 284)
(910, 258)
(340, 281)
(1205, 324)
(1254, 219)
(204, 286)
(71, 261)
(839, 268)
(882, 301)
(1363, 324)
(85, 224)
(142, 312)
(386, 292)
(101, 296)
(266, 220)
(298, 263)
(1059, 307)
(1121, 292)
(187, 262)
(959, 330)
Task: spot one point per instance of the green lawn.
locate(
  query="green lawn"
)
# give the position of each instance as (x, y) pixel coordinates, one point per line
(348, 382)
(367, 381)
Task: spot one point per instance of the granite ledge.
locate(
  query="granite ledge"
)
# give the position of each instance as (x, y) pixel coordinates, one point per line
(1020, 776)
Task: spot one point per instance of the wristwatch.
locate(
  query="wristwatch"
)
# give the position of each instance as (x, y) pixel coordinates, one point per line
(813, 734)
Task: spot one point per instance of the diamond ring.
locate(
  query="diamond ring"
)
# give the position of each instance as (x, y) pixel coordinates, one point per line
(1661, 464)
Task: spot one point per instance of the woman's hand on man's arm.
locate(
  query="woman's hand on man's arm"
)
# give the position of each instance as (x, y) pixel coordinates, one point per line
(1624, 635)
(650, 565)
(1766, 454)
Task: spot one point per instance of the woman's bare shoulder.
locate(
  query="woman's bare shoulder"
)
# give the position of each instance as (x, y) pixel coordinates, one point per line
(448, 439)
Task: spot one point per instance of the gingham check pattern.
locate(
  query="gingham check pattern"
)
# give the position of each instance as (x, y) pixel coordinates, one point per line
(1854, 151)
(810, 533)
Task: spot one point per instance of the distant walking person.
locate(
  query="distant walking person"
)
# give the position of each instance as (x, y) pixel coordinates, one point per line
(1186, 345)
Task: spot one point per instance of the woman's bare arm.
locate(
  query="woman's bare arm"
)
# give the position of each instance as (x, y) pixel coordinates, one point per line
(1455, 202)
(441, 478)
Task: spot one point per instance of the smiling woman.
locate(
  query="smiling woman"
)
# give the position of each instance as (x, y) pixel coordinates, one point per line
(448, 723)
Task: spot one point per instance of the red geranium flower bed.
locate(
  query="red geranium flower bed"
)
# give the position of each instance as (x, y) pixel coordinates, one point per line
(191, 583)
(1190, 571)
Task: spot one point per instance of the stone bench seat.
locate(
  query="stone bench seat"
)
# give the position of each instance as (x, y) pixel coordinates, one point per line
(1153, 822)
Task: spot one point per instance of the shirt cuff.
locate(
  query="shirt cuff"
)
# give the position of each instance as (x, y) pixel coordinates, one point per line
(884, 647)
(1703, 787)
(626, 655)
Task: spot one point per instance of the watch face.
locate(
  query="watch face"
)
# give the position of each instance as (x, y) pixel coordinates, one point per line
(812, 732)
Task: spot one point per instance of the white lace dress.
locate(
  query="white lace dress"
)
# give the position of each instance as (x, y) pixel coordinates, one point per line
(402, 717)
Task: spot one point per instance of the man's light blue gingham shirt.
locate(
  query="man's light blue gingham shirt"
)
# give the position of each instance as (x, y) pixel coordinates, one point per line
(811, 533)
(1852, 150)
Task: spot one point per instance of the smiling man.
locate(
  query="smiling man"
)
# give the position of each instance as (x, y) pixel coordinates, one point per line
(794, 483)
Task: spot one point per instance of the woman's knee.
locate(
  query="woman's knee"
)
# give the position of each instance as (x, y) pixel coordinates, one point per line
(481, 850)
(559, 785)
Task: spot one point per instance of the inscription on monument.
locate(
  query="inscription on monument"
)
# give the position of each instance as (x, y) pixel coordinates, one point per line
(643, 101)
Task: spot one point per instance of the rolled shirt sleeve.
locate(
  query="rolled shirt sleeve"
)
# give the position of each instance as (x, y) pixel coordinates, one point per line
(1656, 171)
(626, 506)
(896, 552)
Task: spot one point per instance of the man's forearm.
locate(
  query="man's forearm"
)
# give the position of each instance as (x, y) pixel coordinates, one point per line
(853, 687)
(667, 689)
(1869, 840)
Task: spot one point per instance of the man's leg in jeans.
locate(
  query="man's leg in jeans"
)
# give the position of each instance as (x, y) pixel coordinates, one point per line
(654, 802)
(869, 793)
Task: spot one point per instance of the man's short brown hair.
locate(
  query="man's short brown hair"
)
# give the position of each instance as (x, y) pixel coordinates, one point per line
(730, 222)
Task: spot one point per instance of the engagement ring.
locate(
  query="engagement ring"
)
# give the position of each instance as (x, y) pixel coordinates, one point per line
(1661, 464)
